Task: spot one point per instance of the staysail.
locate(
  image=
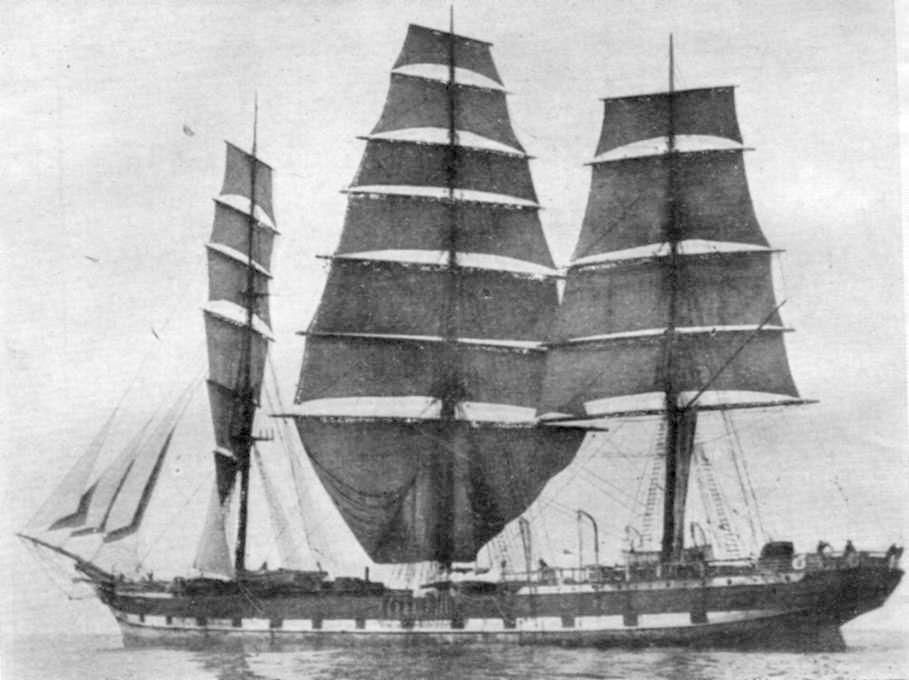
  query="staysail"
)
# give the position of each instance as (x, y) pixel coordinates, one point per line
(669, 305)
(111, 502)
(423, 364)
(68, 505)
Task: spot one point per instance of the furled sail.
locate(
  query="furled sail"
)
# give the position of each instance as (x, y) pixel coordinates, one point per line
(670, 287)
(424, 362)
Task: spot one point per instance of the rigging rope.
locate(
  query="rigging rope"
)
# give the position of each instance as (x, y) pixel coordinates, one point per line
(50, 569)
(739, 450)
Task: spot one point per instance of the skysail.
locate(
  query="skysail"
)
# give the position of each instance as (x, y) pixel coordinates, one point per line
(423, 364)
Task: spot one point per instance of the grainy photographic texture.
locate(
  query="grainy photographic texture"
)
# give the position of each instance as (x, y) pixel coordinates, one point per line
(480, 364)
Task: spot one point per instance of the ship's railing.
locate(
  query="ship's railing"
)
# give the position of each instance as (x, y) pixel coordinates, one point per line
(831, 560)
(602, 574)
(567, 575)
(648, 571)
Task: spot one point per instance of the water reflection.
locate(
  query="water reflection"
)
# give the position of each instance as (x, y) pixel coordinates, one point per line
(227, 665)
(458, 662)
(874, 656)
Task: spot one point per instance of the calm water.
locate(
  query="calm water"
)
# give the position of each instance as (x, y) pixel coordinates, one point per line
(872, 655)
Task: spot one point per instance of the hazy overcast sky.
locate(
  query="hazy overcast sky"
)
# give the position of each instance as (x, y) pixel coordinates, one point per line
(107, 202)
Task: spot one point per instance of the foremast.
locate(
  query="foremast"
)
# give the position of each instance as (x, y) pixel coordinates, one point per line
(247, 396)
(669, 306)
(112, 502)
(238, 331)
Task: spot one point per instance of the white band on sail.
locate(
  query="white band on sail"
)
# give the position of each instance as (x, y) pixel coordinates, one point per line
(522, 345)
(681, 330)
(658, 146)
(410, 408)
(686, 247)
(462, 259)
(235, 202)
(442, 193)
(236, 314)
(234, 254)
(440, 72)
(655, 402)
(241, 203)
(370, 407)
(434, 135)
(482, 411)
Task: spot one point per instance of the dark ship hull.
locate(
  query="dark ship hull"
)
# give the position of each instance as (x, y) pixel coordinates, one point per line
(763, 608)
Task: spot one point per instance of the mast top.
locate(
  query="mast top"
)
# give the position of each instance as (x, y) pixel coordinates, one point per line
(255, 139)
(451, 31)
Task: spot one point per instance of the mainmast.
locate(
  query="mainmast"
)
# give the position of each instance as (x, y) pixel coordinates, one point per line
(422, 367)
(678, 452)
(246, 394)
(450, 396)
(648, 327)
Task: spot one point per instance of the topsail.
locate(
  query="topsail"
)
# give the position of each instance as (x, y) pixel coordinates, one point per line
(423, 364)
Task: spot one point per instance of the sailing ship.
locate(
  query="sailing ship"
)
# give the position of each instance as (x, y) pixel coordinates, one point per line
(443, 385)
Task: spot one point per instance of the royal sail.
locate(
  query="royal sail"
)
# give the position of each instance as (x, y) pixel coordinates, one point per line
(423, 363)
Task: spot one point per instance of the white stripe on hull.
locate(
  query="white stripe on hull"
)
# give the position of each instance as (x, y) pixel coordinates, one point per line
(148, 625)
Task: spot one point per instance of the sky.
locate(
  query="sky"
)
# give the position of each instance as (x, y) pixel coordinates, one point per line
(108, 208)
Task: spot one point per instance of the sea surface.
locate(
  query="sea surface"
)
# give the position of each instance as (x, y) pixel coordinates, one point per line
(876, 654)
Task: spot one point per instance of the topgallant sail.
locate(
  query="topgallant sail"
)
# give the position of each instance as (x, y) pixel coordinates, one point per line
(442, 387)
